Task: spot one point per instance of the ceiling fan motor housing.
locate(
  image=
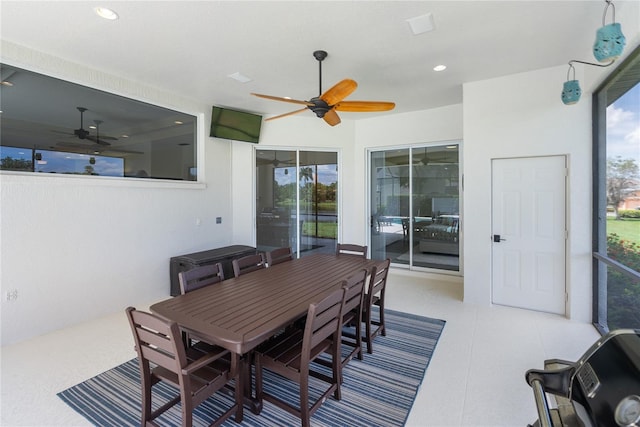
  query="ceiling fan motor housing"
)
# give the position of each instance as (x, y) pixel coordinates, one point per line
(319, 107)
(81, 133)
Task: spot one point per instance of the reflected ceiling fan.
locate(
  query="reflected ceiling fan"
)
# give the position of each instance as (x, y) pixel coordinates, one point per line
(100, 146)
(82, 133)
(326, 104)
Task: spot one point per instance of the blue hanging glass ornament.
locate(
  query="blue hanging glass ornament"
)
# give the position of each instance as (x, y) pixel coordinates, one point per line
(571, 92)
(609, 43)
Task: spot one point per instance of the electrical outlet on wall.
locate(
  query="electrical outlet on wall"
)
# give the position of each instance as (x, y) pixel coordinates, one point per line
(12, 295)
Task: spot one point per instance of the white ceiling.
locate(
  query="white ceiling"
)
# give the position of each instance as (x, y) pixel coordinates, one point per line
(190, 47)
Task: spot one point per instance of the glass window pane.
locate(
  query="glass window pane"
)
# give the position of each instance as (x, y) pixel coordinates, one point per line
(617, 198)
(318, 201)
(436, 207)
(276, 199)
(282, 190)
(72, 124)
(390, 205)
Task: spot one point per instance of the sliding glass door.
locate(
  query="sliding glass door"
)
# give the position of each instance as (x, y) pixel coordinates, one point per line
(415, 209)
(296, 200)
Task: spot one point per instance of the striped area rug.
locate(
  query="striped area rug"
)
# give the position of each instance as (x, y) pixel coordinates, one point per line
(377, 391)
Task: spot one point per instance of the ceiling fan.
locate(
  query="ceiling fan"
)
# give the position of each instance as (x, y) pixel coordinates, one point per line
(83, 134)
(326, 104)
(100, 145)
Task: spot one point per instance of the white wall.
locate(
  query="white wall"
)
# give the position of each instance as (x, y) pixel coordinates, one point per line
(77, 247)
(520, 116)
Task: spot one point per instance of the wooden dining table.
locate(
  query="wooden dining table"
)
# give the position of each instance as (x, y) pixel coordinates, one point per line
(240, 313)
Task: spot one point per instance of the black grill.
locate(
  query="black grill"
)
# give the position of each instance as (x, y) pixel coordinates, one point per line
(601, 389)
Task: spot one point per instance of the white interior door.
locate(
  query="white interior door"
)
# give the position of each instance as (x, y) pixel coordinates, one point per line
(529, 233)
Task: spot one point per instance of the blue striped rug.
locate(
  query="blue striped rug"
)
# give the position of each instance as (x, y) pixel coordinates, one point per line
(377, 391)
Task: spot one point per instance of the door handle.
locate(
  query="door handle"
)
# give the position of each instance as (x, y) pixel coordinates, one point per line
(497, 239)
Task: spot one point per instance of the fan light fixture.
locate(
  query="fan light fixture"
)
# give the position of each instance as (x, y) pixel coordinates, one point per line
(607, 48)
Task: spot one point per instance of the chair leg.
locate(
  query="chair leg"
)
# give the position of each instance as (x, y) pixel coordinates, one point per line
(367, 325)
(258, 377)
(187, 411)
(358, 327)
(383, 330)
(304, 399)
(146, 394)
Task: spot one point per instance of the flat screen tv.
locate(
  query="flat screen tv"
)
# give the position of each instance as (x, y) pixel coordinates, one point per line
(237, 125)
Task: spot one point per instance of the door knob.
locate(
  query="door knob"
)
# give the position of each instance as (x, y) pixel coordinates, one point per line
(497, 239)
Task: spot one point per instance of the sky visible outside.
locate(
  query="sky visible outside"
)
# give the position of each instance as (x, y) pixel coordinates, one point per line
(327, 174)
(623, 126)
(61, 162)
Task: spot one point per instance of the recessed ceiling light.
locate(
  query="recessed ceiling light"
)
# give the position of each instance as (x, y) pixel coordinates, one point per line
(239, 77)
(178, 122)
(6, 83)
(421, 24)
(106, 13)
(440, 67)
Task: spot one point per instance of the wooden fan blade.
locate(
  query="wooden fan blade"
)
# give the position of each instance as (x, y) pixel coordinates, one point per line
(278, 98)
(286, 114)
(331, 117)
(98, 141)
(339, 91)
(365, 106)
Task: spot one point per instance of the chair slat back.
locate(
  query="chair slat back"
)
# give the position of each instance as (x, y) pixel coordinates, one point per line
(200, 277)
(279, 255)
(351, 249)
(157, 340)
(323, 320)
(247, 264)
(378, 279)
(355, 286)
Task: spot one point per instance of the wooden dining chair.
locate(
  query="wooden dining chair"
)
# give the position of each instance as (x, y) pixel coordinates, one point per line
(279, 255)
(200, 277)
(197, 375)
(375, 297)
(247, 264)
(351, 249)
(291, 353)
(354, 287)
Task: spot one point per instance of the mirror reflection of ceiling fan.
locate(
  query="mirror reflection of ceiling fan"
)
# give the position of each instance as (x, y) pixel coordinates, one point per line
(99, 146)
(326, 104)
(83, 134)
(78, 147)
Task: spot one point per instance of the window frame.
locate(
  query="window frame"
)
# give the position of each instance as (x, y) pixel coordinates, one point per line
(196, 137)
(600, 260)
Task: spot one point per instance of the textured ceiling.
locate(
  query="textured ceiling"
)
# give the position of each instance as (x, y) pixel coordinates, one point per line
(190, 47)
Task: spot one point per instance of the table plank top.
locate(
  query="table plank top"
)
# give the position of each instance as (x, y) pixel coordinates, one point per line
(240, 313)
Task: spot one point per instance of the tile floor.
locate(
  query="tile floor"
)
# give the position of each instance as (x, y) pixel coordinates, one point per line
(476, 376)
